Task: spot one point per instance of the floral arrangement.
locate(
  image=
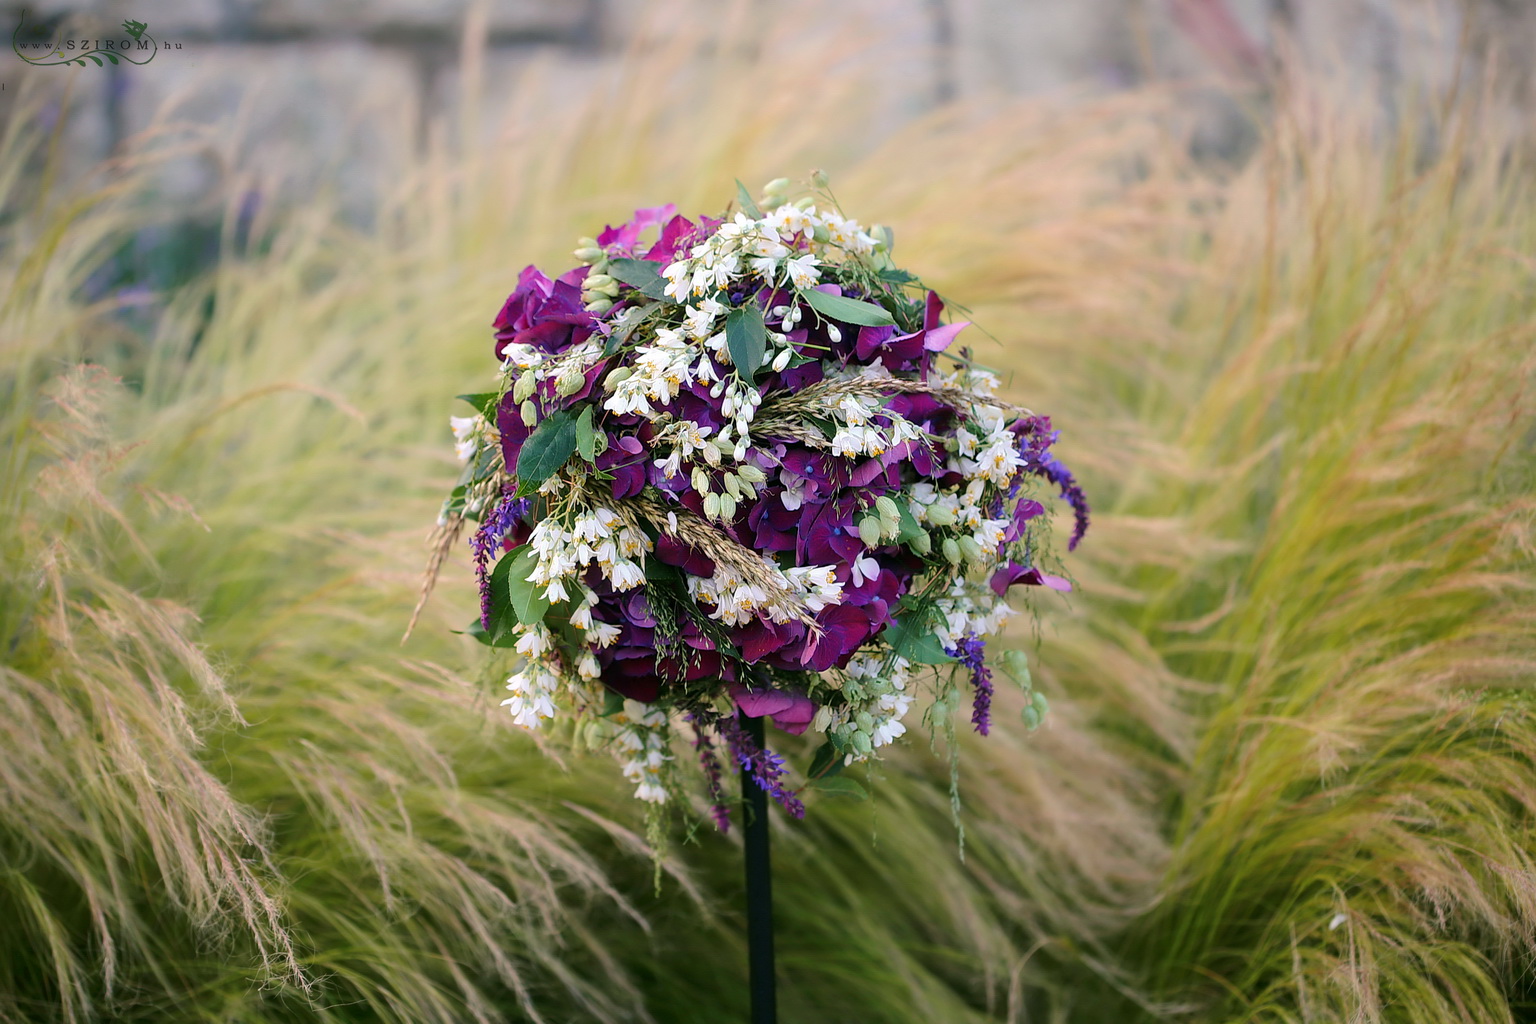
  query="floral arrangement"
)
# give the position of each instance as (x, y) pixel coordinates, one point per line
(736, 468)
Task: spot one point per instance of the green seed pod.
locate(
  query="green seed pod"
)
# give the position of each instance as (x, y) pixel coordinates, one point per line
(727, 507)
(1039, 703)
(887, 509)
(939, 515)
(711, 506)
(617, 377)
(869, 531)
(951, 551)
(1031, 718)
(751, 474)
(732, 486)
(530, 414)
(570, 382)
(821, 234)
(970, 549)
(805, 202)
(1017, 663)
(819, 178)
(700, 480)
(920, 544)
(865, 720)
(862, 744)
(777, 187)
(523, 389)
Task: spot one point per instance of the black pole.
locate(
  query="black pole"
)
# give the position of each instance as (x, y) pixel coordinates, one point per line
(759, 889)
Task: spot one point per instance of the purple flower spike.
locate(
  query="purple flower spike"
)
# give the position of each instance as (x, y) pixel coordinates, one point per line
(499, 522)
(767, 768)
(971, 650)
(710, 762)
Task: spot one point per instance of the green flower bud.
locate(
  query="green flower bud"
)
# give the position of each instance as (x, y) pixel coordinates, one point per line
(602, 305)
(530, 414)
(951, 551)
(862, 744)
(1031, 718)
(805, 202)
(777, 187)
(727, 507)
(970, 549)
(700, 480)
(865, 720)
(869, 531)
(617, 377)
(711, 506)
(588, 253)
(821, 234)
(587, 242)
(751, 474)
(1039, 703)
(523, 389)
(600, 266)
(939, 515)
(570, 382)
(819, 178)
(887, 509)
(921, 544)
(732, 485)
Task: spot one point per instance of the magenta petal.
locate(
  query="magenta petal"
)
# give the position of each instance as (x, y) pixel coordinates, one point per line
(938, 339)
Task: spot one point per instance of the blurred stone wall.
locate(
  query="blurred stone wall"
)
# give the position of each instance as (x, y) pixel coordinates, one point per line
(345, 87)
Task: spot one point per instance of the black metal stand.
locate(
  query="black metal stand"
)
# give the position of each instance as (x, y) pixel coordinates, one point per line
(759, 889)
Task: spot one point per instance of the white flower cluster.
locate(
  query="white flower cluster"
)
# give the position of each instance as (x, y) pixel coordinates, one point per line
(799, 590)
(643, 740)
(991, 455)
(878, 700)
(963, 509)
(466, 435)
(968, 607)
(598, 537)
(766, 247)
(859, 434)
(533, 694)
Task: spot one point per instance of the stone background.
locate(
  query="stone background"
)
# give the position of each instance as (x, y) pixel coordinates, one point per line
(345, 88)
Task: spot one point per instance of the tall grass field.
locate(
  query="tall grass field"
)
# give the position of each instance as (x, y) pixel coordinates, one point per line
(1290, 771)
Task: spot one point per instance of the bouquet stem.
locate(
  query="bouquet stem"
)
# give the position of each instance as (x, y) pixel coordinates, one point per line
(759, 888)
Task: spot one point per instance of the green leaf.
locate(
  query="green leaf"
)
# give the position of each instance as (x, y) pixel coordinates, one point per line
(546, 449)
(840, 786)
(895, 276)
(485, 403)
(827, 762)
(586, 437)
(915, 643)
(613, 703)
(639, 274)
(526, 600)
(112, 57)
(502, 618)
(747, 339)
(849, 311)
(744, 200)
(479, 633)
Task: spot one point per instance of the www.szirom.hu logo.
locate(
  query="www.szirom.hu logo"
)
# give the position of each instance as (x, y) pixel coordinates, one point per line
(136, 46)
